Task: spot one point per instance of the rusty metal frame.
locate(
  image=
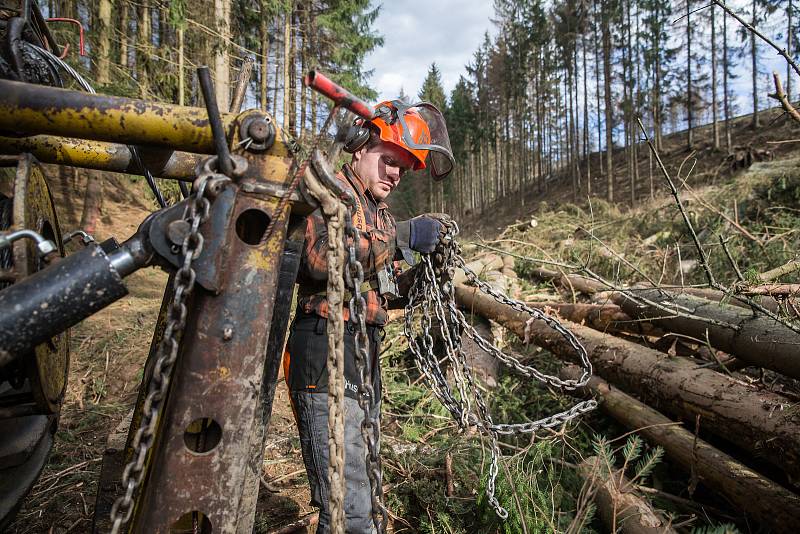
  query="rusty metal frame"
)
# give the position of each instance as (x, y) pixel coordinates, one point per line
(102, 156)
(36, 109)
(226, 351)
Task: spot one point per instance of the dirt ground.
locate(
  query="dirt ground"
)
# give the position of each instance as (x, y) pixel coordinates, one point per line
(108, 352)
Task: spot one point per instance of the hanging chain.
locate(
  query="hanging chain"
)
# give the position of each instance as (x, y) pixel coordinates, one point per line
(335, 214)
(195, 213)
(368, 398)
(432, 296)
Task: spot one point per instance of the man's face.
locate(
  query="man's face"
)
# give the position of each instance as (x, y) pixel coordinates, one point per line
(381, 167)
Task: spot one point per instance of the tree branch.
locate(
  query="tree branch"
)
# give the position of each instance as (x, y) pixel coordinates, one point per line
(781, 97)
(750, 27)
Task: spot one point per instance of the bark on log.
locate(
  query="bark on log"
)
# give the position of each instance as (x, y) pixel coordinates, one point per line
(719, 296)
(756, 421)
(580, 284)
(603, 317)
(764, 500)
(759, 341)
(619, 507)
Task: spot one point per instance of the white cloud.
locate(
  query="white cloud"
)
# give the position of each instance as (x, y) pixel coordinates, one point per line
(419, 32)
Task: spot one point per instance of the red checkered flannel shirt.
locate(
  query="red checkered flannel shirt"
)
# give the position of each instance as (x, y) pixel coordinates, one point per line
(375, 249)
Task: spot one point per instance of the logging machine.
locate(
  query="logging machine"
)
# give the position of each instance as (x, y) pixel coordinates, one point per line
(246, 219)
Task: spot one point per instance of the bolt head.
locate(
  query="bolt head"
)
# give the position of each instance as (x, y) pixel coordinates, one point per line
(259, 129)
(227, 333)
(177, 231)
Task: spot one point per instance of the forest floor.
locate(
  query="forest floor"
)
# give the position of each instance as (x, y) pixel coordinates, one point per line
(108, 352)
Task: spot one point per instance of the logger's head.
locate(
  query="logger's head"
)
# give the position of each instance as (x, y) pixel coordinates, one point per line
(400, 138)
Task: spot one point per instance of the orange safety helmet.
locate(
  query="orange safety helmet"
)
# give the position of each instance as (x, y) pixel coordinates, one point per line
(391, 130)
(417, 128)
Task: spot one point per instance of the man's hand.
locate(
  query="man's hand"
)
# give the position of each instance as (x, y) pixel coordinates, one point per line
(421, 234)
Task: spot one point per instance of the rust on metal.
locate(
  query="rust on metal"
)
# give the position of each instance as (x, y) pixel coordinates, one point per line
(103, 156)
(207, 456)
(27, 109)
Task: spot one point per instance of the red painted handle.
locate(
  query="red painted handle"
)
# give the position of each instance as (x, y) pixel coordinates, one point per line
(340, 96)
(80, 32)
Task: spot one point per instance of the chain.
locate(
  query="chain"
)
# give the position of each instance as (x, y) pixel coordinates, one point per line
(432, 296)
(299, 169)
(370, 428)
(195, 213)
(335, 214)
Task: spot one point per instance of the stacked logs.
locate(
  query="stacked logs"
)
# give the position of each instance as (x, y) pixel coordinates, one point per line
(665, 365)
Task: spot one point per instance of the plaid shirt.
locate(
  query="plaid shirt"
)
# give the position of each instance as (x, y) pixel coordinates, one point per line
(375, 250)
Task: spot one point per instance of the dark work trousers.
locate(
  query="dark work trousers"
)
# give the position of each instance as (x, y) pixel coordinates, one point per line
(307, 377)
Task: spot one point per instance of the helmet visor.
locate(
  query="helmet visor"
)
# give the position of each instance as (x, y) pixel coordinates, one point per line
(440, 155)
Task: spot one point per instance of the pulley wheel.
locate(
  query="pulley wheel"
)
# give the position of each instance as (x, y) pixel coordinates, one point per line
(33, 209)
(32, 387)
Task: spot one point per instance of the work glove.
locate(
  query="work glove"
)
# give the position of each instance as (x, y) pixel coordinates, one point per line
(420, 234)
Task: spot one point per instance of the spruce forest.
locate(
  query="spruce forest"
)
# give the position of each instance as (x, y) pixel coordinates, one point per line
(627, 193)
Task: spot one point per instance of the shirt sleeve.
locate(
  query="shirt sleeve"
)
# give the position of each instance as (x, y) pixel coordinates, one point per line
(375, 248)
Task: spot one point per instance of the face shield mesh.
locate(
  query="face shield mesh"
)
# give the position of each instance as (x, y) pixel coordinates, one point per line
(440, 160)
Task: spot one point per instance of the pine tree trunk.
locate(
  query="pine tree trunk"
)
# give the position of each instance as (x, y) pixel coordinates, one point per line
(144, 28)
(657, 109)
(222, 75)
(630, 107)
(608, 111)
(597, 87)
(723, 474)
(730, 409)
(181, 70)
(789, 43)
(287, 62)
(586, 150)
(293, 31)
(303, 67)
(103, 62)
(123, 41)
(714, 77)
(725, 67)
(754, 65)
(276, 77)
(264, 38)
(689, 95)
(91, 202)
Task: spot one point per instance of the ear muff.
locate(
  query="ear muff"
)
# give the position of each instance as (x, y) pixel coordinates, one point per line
(357, 137)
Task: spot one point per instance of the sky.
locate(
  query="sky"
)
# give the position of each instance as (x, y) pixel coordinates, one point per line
(419, 32)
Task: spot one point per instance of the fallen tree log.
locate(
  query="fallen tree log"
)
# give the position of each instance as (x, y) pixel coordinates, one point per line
(757, 421)
(756, 340)
(765, 501)
(620, 508)
(603, 317)
(576, 282)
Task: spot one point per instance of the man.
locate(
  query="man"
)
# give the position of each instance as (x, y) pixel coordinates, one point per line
(399, 139)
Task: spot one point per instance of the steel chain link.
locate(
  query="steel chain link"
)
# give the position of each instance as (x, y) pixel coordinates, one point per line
(196, 212)
(367, 400)
(432, 295)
